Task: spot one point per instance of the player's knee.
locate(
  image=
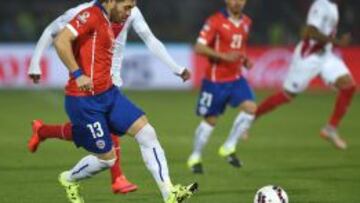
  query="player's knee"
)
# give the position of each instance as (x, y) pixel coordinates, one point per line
(149, 130)
(345, 82)
(146, 135)
(107, 156)
(211, 120)
(249, 107)
(138, 125)
(108, 163)
(107, 159)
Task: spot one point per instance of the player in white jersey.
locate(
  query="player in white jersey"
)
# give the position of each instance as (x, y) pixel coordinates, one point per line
(313, 57)
(136, 21)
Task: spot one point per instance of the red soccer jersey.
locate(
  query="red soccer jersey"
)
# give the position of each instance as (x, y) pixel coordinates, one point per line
(225, 35)
(93, 49)
(117, 28)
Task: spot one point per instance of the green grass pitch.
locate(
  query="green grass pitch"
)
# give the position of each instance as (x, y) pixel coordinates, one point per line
(284, 149)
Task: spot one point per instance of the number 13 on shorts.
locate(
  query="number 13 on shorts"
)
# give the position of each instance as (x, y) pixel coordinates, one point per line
(96, 129)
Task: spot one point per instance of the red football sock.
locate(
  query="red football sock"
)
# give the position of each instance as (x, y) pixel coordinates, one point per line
(343, 102)
(116, 169)
(272, 103)
(63, 132)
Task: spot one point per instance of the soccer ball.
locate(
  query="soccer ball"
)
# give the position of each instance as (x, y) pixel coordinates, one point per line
(271, 194)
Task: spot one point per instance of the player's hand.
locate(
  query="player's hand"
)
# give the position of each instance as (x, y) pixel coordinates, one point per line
(185, 75)
(35, 78)
(84, 83)
(345, 40)
(230, 57)
(248, 63)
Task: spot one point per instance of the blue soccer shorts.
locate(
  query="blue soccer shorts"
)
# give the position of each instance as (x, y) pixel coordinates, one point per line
(214, 97)
(94, 118)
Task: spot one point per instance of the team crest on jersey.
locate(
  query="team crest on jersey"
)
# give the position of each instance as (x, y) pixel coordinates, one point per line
(83, 18)
(100, 144)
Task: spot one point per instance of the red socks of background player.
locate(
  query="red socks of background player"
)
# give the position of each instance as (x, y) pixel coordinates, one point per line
(272, 103)
(343, 101)
(116, 170)
(62, 132)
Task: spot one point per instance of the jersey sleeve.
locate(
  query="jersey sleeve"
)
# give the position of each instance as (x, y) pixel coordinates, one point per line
(83, 23)
(316, 15)
(208, 32)
(155, 45)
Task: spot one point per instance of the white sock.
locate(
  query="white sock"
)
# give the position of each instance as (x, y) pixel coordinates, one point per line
(88, 167)
(154, 158)
(202, 135)
(241, 124)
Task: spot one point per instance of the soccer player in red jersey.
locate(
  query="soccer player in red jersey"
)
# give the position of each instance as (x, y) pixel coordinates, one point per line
(97, 108)
(313, 57)
(43, 131)
(223, 41)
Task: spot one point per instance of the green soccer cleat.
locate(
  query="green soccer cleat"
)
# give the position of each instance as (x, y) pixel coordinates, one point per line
(72, 189)
(230, 155)
(181, 193)
(195, 165)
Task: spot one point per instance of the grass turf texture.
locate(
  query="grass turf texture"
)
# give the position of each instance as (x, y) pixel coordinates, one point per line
(284, 149)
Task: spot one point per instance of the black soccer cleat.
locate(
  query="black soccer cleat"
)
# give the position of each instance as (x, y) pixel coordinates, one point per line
(197, 168)
(233, 160)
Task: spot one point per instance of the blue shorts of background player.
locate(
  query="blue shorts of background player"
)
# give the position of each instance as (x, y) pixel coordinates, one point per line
(94, 118)
(213, 100)
(214, 97)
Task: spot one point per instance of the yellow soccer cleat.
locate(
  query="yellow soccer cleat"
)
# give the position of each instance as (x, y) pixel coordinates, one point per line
(72, 189)
(180, 193)
(195, 165)
(230, 156)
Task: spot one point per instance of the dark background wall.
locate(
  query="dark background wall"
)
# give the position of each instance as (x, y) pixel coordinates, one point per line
(275, 21)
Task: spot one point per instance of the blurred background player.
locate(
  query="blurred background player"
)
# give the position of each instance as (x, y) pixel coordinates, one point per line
(96, 107)
(314, 56)
(42, 131)
(223, 41)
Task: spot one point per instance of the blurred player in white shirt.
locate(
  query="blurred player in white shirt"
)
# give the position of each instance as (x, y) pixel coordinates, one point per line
(313, 57)
(42, 131)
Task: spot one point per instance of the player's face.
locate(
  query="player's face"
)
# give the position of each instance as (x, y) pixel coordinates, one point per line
(235, 6)
(122, 10)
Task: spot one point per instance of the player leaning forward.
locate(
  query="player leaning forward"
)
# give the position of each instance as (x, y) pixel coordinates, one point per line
(314, 56)
(96, 108)
(121, 26)
(222, 41)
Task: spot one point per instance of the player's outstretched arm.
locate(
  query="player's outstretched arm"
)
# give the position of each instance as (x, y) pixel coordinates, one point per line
(63, 46)
(312, 32)
(44, 42)
(156, 46)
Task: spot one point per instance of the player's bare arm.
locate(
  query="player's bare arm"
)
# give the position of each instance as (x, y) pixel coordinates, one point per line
(217, 56)
(63, 46)
(313, 33)
(248, 64)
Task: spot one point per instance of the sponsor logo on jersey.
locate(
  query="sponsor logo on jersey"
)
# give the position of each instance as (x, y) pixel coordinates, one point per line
(226, 26)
